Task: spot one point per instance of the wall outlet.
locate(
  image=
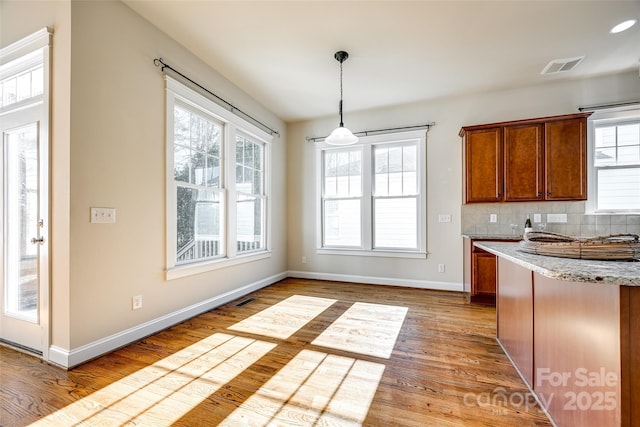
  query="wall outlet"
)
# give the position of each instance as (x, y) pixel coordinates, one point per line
(103, 215)
(556, 217)
(440, 268)
(537, 218)
(493, 218)
(136, 302)
(444, 218)
(304, 259)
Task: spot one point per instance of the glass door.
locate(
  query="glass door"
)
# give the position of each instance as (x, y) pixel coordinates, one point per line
(23, 237)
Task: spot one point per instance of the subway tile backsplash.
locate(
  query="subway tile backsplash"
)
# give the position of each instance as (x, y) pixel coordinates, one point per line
(475, 219)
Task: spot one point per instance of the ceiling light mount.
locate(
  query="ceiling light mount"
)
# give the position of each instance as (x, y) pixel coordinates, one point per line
(341, 135)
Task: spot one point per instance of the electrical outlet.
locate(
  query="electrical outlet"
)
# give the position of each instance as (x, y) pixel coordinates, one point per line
(493, 218)
(537, 218)
(304, 259)
(556, 217)
(103, 215)
(440, 268)
(136, 302)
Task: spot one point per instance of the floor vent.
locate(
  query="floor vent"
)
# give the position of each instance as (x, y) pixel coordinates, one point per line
(245, 302)
(562, 65)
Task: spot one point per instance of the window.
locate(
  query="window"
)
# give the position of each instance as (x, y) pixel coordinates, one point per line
(372, 196)
(250, 195)
(217, 192)
(616, 164)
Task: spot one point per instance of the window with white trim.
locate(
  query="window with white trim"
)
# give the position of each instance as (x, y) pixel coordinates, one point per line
(616, 163)
(372, 196)
(217, 185)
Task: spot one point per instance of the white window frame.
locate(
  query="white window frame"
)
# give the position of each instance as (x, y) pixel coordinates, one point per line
(232, 125)
(610, 116)
(367, 144)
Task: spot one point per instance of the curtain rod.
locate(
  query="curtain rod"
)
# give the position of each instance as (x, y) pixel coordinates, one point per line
(612, 105)
(159, 62)
(426, 126)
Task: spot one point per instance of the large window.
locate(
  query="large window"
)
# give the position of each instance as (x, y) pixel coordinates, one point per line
(217, 185)
(372, 196)
(616, 164)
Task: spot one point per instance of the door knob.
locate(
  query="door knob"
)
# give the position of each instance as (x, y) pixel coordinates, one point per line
(37, 240)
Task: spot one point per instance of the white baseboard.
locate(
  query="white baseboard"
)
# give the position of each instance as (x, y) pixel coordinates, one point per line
(70, 358)
(410, 283)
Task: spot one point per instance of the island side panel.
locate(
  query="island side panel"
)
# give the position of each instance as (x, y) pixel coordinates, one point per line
(630, 354)
(577, 351)
(515, 316)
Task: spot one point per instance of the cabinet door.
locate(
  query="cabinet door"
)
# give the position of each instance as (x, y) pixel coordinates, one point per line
(523, 177)
(483, 165)
(484, 274)
(565, 152)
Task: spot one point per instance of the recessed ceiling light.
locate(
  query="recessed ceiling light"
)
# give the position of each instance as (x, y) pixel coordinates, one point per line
(623, 26)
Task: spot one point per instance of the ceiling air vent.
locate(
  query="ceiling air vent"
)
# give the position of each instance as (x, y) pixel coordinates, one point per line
(562, 65)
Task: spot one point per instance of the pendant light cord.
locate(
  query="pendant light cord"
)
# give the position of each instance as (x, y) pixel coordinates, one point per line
(340, 107)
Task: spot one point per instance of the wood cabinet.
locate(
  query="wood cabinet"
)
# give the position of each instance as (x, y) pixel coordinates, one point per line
(576, 345)
(515, 316)
(565, 158)
(480, 272)
(483, 167)
(526, 160)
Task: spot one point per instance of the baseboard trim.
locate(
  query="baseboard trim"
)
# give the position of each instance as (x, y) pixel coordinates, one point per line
(388, 281)
(69, 358)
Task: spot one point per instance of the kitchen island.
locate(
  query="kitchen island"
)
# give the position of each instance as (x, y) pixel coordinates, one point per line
(572, 330)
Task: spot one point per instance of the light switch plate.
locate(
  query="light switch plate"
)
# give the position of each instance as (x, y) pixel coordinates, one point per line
(103, 215)
(444, 218)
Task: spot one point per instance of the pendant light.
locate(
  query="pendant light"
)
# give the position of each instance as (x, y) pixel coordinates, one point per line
(341, 135)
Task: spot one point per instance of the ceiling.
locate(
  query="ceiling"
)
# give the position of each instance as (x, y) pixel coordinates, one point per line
(281, 52)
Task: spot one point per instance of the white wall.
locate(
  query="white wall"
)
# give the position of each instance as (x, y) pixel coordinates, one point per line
(444, 176)
(113, 155)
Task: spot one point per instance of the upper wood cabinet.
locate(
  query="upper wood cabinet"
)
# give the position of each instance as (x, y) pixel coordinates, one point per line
(565, 159)
(526, 160)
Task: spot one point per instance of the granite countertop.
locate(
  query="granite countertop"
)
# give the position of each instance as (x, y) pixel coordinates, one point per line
(626, 273)
(516, 237)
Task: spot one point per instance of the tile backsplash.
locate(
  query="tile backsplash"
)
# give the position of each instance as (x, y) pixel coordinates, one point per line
(475, 219)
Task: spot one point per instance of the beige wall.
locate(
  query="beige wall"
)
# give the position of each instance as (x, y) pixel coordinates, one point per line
(444, 176)
(117, 160)
(109, 151)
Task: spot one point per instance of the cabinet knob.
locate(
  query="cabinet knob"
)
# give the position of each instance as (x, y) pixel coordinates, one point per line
(548, 193)
(539, 193)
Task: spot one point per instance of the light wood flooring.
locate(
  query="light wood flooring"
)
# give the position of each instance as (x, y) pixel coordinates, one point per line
(302, 353)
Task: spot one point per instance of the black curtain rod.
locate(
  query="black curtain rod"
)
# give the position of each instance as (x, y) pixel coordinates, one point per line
(426, 126)
(605, 106)
(159, 62)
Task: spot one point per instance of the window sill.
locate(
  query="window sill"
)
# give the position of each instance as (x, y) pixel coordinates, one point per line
(180, 271)
(372, 253)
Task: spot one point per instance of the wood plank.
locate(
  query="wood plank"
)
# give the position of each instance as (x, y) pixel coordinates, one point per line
(445, 369)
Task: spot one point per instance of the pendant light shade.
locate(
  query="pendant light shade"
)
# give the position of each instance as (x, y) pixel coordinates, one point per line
(341, 135)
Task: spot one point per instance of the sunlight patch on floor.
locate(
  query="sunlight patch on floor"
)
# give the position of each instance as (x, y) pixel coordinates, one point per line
(314, 388)
(370, 329)
(284, 318)
(162, 393)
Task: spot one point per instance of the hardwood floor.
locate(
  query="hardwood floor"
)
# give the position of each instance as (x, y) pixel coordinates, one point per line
(304, 352)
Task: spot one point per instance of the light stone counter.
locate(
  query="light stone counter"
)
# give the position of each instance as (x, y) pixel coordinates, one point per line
(625, 273)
